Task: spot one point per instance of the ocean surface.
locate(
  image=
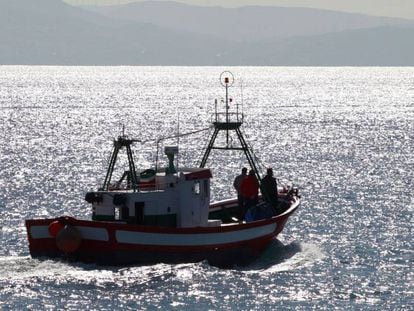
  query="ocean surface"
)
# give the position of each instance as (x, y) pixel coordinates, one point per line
(345, 136)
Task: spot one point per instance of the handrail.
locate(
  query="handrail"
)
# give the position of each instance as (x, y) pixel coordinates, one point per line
(223, 117)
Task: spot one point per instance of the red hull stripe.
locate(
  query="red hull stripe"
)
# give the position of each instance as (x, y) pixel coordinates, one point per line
(159, 239)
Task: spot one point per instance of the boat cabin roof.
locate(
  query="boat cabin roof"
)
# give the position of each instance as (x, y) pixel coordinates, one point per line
(196, 173)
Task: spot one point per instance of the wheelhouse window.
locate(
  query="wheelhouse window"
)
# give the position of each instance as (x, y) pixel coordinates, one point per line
(197, 188)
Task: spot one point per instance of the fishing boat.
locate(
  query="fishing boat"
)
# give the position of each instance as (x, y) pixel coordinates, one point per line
(165, 214)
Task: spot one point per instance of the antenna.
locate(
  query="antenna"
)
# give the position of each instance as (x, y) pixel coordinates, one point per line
(242, 100)
(227, 80)
(178, 136)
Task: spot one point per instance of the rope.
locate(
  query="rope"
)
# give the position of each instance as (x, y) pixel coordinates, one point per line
(207, 142)
(182, 135)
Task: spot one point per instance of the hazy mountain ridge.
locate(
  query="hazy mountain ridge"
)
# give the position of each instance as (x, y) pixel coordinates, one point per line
(61, 34)
(394, 8)
(250, 23)
(49, 32)
(381, 46)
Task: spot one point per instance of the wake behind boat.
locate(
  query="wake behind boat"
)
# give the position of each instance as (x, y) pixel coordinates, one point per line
(165, 215)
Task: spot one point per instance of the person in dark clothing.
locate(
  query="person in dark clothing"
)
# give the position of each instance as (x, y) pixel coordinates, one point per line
(269, 188)
(236, 184)
(249, 189)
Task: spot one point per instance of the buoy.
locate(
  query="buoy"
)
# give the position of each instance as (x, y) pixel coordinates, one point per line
(68, 239)
(54, 228)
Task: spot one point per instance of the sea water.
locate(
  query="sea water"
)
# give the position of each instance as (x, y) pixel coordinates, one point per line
(345, 136)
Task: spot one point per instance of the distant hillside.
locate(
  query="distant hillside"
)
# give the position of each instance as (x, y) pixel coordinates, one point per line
(382, 46)
(49, 32)
(250, 23)
(394, 8)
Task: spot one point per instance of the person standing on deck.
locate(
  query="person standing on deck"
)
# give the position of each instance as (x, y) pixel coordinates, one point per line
(236, 184)
(249, 190)
(269, 188)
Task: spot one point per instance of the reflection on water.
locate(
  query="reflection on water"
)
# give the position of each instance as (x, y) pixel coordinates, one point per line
(344, 135)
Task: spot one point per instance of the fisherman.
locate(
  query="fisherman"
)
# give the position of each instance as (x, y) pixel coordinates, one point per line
(269, 188)
(249, 190)
(236, 184)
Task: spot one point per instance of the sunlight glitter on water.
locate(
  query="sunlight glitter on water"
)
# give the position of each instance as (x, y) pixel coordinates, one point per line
(344, 135)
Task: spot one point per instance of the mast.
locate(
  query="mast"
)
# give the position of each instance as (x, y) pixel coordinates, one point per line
(121, 142)
(232, 122)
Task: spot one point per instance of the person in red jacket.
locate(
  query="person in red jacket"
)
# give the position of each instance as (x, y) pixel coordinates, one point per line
(249, 189)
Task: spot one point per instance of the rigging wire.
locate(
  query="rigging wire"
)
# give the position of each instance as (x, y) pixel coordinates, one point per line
(176, 136)
(207, 141)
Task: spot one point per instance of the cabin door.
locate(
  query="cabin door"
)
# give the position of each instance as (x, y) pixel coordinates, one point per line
(139, 212)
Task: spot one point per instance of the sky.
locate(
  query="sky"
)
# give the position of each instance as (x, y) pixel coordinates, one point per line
(390, 8)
